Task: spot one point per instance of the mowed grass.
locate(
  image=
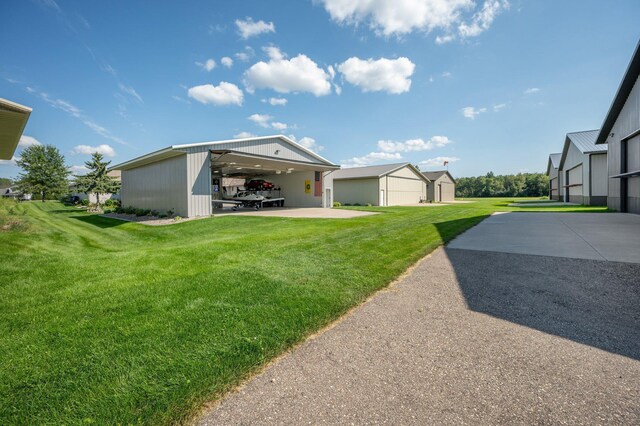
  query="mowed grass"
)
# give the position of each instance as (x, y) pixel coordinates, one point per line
(107, 322)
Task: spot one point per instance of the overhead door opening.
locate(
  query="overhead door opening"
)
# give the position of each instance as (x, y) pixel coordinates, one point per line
(240, 181)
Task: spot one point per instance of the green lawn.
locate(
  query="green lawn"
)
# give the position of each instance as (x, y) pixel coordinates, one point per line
(106, 322)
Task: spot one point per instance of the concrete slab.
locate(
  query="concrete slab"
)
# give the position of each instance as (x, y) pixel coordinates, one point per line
(605, 236)
(307, 212)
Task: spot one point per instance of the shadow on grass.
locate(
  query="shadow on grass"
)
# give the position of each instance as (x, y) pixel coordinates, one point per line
(99, 221)
(597, 306)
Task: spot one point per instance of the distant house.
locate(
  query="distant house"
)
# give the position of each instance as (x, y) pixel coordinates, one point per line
(442, 186)
(92, 196)
(15, 194)
(13, 119)
(555, 178)
(583, 166)
(385, 185)
(621, 133)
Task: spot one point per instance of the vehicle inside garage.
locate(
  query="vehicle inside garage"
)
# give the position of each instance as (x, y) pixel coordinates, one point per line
(198, 179)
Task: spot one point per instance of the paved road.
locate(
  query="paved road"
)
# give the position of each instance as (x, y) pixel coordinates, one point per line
(468, 336)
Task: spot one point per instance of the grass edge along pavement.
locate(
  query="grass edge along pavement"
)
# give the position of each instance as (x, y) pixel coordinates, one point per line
(103, 321)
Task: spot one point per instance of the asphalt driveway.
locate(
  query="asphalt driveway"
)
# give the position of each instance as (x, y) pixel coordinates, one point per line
(467, 336)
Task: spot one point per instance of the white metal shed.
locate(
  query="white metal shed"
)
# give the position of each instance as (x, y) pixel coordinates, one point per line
(186, 178)
(383, 185)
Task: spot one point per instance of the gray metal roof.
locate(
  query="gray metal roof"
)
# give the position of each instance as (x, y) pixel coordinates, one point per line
(175, 150)
(368, 171)
(555, 159)
(586, 141)
(437, 174)
(626, 85)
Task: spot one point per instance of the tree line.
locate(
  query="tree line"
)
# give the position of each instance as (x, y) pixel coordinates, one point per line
(491, 185)
(46, 176)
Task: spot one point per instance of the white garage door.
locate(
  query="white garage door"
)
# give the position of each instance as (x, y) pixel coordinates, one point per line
(575, 178)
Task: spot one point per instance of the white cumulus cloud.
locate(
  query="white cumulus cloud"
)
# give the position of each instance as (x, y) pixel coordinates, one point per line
(275, 101)
(279, 126)
(499, 107)
(244, 135)
(79, 170)
(227, 61)
(438, 161)
(298, 74)
(26, 141)
(531, 90)
(482, 20)
(103, 149)
(207, 65)
(413, 145)
(249, 28)
(370, 158)
(261, 120)
(310, 144)
(222, 94)
(395, 17)
(11, 162)
(471, 112)
(389, 75)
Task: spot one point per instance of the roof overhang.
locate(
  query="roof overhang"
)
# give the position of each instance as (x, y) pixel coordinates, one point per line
(152, 157)
(13, 119)
(232, 163)
(626, 85)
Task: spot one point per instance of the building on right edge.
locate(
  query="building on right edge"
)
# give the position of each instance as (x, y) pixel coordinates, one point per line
(621, 131)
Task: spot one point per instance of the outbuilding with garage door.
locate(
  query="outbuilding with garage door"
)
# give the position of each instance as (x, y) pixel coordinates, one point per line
(384, 185)
(197, 179)
(583, 166)
(555, 178)
(442, 186)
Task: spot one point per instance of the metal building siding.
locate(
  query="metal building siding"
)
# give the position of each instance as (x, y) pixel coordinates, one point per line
(264, 147)
(158, 186)
(447, 188)
(627, 122)
(599, 175)
(403, 186)
(360, 191)
(293, 189)
(199, 183)
(574, 158)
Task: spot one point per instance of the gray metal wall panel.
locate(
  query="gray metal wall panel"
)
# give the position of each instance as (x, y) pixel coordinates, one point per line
(158, 186)
(199, 183)
(362, 191)
(599, 175)
(574, 158)
(628, 122)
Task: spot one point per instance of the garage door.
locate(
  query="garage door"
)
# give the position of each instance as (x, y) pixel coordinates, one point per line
(575, 184)
(448, 191)
(553, 185)
(404, 191)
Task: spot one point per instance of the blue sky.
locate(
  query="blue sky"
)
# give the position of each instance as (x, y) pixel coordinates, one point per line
(490, 85)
